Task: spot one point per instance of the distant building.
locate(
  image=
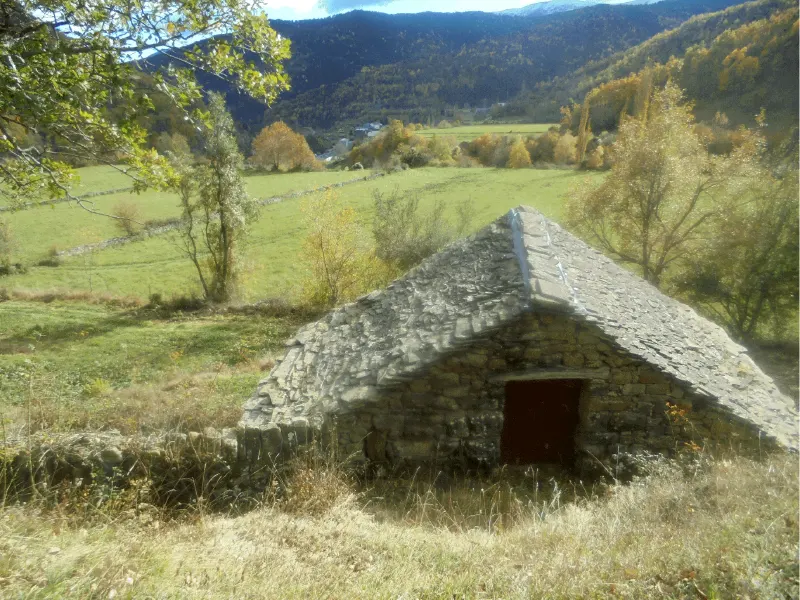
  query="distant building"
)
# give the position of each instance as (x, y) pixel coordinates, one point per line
(368, 130)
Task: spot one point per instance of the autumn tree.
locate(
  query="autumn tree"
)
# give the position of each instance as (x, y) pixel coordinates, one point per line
(279, 148)
(216, 207)
(64, 62)
(565, 151)
(518, 157)
(746, 270)
(340, 260)
(174, 143)
(662, 189)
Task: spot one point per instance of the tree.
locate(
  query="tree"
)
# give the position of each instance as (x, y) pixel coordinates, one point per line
(341, 264)
(565, 151)
(747, 270)
(216, 207)
(663, 188)
(279, 148)
(518, 157)
(175, 143)
(64, 62)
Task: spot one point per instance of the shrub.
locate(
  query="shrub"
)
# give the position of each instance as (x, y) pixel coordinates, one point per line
(128, 217)
(544, 147)
(341, 263)
(595, 158)
(404, 236)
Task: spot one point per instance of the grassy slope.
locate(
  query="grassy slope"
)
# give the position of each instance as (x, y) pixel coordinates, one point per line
(727, 530)
(69, 365)
(468, 133)
(270, 266)
(66, 225)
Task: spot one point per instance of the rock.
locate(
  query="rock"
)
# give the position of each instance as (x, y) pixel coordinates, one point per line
(111, 456)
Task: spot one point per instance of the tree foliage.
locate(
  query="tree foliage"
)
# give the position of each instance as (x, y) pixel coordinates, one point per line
(279, 148)
(746, 271)
(663, 188)
(736, 61)
(64, 62)
(405, 235)
(340, 260)
(216, 207)
(518, 157)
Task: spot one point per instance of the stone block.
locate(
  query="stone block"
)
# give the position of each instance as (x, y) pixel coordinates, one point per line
(658, 389)
(651, 377)
(573, 359)
(622, 376)
(419, 386)
(631, 389)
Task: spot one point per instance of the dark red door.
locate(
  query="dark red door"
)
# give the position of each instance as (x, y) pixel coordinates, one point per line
(539, 421)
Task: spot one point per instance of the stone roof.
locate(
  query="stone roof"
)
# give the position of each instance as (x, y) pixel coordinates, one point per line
(521, 262)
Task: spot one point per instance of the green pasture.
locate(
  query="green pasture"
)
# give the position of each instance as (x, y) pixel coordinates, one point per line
(468, 133)
(63, 364)
(272, 264)
(66, 224)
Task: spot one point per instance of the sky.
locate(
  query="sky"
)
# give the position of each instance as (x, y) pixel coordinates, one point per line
(311, 9)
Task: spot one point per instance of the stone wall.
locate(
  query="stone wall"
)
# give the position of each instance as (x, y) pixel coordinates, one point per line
(453, 411)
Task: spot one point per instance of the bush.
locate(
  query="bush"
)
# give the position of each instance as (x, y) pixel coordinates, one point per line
(404, 237)
(127, 215)
(341, 264)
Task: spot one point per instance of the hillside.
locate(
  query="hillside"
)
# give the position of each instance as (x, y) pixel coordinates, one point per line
(363, 65)
(691, 38)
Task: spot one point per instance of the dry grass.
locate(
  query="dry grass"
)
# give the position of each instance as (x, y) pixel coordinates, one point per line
(724, 529)
(182, 401)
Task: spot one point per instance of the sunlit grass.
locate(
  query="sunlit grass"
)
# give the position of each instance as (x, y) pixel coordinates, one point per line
(271, 256)
(65, 225)
(468, 133)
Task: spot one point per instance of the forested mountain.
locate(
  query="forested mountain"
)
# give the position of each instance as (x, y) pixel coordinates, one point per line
(549, 7)
(756, 42)
(364, 65)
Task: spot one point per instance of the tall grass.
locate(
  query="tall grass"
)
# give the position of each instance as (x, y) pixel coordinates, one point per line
(713, 528)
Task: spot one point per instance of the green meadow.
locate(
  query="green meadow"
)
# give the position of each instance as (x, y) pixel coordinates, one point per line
(468, 133)
(66, 225)
(272, 254)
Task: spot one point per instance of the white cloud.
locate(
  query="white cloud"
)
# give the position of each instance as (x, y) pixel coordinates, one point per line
(297, 6)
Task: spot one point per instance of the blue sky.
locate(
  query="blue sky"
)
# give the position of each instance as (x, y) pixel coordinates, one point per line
(310, 9)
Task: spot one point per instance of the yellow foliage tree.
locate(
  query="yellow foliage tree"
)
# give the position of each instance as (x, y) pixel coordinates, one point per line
(566, 149)
(341, 263)
(518, 157)
(279, 148)
(664, 188)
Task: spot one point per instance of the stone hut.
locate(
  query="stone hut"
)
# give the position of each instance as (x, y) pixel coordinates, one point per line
(520, 344)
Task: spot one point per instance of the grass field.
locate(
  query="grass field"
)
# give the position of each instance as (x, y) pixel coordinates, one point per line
(75, 366)
(270, 265)
(65, 225)
(468, 133)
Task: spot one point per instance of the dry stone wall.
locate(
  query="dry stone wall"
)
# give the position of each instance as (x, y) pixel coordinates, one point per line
(453, 414)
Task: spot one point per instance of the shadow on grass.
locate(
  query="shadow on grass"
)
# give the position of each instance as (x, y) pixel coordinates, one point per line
(52, 336)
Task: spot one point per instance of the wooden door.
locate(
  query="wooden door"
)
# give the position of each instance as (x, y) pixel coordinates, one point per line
(539, 422)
